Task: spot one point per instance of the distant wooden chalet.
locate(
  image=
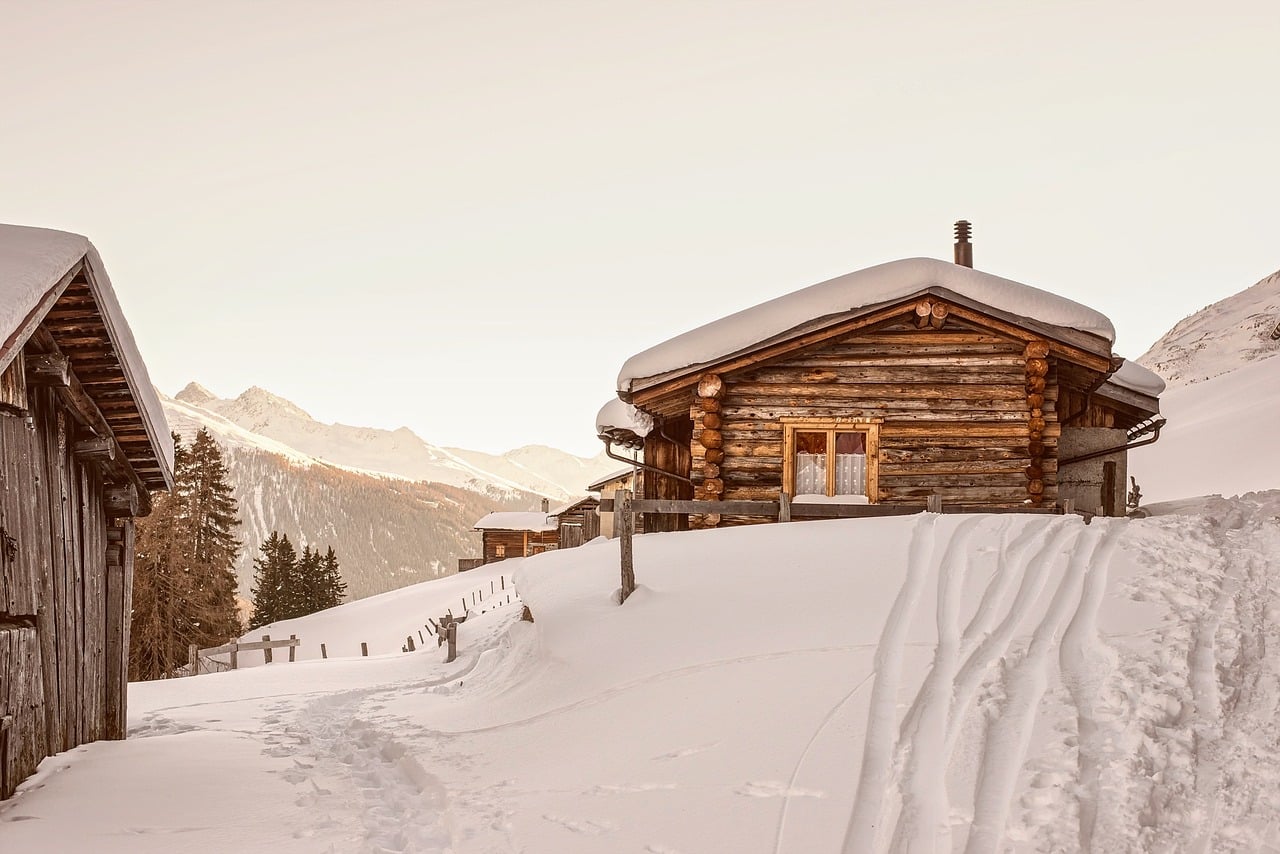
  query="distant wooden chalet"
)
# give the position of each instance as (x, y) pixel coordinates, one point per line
(523, 533)
(888, 385)
(82, 442)
(512, 533)
(576, 522)
(607, 487)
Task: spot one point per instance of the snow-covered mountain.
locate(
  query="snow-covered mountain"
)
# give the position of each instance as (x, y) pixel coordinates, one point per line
(397, 509)
(1220, 338)
(555, 474)
(1222, 401)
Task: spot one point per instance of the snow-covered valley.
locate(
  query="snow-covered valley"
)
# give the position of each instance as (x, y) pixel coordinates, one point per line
(959, 683)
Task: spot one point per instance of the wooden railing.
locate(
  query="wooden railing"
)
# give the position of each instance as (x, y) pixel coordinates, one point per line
(233, 648)
(627, 508)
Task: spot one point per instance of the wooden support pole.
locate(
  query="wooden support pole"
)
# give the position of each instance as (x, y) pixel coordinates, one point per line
(266, 651)
(234, 652)
(410, 644)
(784, 506)
(1109, 489)
(627, 523)
(933, 503)
(193, 659)
(452, 631)
(292, 647)
(324, 652)
(364, 648)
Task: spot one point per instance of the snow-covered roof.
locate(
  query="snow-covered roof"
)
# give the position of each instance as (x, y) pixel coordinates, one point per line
(514, 520)
(1134, 377)
(33, 262)
(858, 290)
(617, 415)
(610, 478)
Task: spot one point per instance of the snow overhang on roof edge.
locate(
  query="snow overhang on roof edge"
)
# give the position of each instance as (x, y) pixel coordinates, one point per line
(33, 261)
(862, 289)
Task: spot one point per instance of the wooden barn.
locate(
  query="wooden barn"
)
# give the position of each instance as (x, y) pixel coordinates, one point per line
(576, 522)
(83, 441)
(511, 533)
(889, 385)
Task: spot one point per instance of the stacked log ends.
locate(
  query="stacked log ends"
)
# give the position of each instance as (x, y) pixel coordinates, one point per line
(1036, 353)
(930, 314)
(710, 390)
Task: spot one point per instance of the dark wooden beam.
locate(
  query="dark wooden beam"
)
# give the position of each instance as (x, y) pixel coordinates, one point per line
(99, 449)
(48, 369)
(121, 501)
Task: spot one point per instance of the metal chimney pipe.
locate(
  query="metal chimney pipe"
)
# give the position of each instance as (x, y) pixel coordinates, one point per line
(964, 249)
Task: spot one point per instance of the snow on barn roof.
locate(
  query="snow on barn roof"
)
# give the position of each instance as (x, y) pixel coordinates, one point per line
(621, 474)
(1134, 377)
(33, 263)
(861, 289)
(513, 520)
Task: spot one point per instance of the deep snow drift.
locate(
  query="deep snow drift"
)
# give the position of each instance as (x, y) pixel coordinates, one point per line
(926, 683)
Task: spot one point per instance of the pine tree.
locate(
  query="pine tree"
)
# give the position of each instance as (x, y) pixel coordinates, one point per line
(184, 586)
(335, 589)
(274, 581)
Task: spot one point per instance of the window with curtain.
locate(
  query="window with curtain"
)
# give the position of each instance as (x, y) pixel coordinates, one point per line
(831, 461)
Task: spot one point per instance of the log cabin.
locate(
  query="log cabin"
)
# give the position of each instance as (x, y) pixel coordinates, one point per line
(514, 533)
(83, 442)
(889, 385)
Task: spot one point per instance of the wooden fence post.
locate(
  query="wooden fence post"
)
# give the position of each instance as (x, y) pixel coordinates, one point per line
(293, 647)
(503, 579)
(627, 524)
(235, 652)
(193, 659)
(266, 652)
(784, 507)
(324, 653)
(421, 639)
(409, 643)
(453, 643)
(364, 648)
(933, 503)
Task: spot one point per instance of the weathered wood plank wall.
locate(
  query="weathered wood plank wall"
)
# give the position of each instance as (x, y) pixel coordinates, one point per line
(953, 404)
(517, 543)
(63, 616)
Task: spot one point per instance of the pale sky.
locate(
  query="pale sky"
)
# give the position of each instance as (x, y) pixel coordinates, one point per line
(462, 217)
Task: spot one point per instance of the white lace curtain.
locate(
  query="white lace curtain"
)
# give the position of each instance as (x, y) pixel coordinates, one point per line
(811, 474)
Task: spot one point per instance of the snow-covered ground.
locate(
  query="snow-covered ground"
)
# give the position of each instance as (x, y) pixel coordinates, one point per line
(926, 683)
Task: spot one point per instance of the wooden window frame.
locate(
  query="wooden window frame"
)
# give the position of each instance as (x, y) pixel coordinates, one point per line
(499, 549)
(869, 427)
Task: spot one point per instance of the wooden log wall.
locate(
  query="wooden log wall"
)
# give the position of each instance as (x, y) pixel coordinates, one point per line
(64, 612)
(517, 543)
(953, 398)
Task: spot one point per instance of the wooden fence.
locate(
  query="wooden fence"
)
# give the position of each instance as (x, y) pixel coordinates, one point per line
(202, 660)
(626, 509)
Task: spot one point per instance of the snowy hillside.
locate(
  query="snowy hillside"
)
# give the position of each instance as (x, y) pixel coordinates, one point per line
(388, 531)
(1218, 339)
(1222, 401)
(929, 683)
(400, 453)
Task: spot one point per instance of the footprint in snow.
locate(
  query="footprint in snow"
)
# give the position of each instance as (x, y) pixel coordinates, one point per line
(687, 751)
(773, 789)
(628, 788)
(592, 828)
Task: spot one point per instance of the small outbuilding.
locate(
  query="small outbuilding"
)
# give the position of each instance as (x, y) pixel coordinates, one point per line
(514, 533)
(607, 487)
(911, 379)
(83, 441)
